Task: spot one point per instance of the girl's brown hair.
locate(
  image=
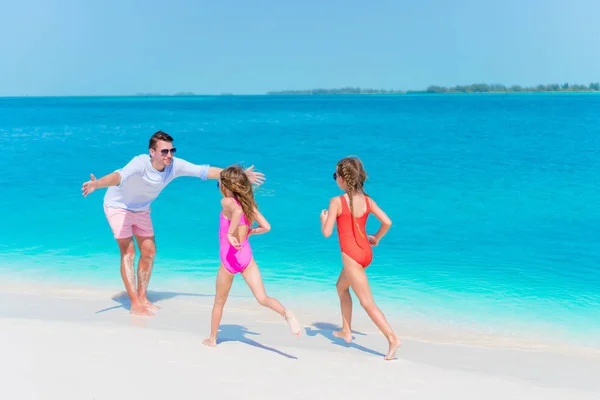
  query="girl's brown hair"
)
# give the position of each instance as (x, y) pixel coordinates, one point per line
(235, 179)
(352, 171)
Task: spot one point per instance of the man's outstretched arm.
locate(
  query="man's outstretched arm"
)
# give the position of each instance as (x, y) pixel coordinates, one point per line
(205, 171)
(214, 172)
(133, 167)
(257, 178)
(112, 179)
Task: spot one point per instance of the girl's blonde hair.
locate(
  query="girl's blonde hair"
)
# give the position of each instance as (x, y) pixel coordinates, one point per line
(352, 171)
(235, 179)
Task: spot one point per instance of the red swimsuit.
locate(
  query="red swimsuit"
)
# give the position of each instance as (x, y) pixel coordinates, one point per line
(353, 236)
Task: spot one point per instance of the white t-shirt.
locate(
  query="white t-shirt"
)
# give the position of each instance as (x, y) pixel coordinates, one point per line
(141, 183)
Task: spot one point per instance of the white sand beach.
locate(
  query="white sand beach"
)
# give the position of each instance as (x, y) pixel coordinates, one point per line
(70, 343)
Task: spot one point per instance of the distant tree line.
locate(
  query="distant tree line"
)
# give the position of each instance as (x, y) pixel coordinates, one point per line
(473, 88)
(499, 88)
(346, 90)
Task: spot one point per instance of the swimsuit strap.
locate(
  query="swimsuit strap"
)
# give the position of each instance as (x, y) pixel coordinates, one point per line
(347, 206)
(353, 219)
(243, 220)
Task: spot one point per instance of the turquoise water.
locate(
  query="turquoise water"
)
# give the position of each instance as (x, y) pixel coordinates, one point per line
(494, 198)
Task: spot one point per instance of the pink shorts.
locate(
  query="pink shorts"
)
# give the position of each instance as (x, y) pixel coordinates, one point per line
(125, 224)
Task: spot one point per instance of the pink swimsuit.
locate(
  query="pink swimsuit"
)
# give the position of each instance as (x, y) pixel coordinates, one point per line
(234, 260)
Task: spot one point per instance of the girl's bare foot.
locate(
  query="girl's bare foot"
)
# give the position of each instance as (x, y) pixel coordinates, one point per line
(211, 342)
(294, 326)
(394, 344)
(139, 309)
(347, 336)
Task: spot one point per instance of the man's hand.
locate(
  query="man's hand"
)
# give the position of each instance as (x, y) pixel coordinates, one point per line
(257, 178)
(89, 186)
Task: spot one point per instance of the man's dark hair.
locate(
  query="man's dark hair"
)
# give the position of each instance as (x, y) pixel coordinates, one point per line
(160, 135)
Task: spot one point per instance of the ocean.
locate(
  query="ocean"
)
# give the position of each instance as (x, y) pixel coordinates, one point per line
(494, 198)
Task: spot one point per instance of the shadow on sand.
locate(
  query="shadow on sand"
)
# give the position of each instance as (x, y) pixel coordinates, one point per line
(154, 297)
(326, 330)
(237, 333)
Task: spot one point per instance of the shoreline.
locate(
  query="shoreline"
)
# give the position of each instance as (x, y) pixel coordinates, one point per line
(407, 327)
(418, 312)
(49, 334)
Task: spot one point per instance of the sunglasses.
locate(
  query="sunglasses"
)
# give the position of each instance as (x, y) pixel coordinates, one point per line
(335, 175)
(164, 152)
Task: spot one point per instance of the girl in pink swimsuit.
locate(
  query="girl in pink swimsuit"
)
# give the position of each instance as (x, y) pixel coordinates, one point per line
(235, 258)
(237, 215)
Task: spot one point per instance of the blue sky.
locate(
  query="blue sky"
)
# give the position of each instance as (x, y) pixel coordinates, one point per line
(85, 47)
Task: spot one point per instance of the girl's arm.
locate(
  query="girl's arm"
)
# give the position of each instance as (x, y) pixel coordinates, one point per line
(386, 222)
(263, 224)
(328, 217)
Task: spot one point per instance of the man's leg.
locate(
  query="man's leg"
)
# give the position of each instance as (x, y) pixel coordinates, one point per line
(121, 224)
(127, 249)
(144, 236)
(147, 248)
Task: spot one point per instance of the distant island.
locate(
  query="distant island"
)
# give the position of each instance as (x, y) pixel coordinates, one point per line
(178, 94)
(473, 88)
(143, 94)
(347, 90)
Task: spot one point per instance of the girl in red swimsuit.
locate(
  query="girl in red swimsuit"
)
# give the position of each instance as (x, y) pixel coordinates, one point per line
(351, 211)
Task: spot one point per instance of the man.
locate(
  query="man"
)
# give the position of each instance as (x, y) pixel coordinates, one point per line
(127, 201)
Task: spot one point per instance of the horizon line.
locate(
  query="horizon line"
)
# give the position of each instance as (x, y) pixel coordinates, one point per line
(411, 93)
(304, 92)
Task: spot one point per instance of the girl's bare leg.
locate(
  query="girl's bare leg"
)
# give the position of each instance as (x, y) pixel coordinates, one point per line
(357, 277)
(224, 281)
(254, 281)
(343, 289)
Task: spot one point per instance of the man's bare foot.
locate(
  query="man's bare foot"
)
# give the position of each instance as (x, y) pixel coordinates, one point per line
(212, 342)
(150, 306)
(394, 344)
(139, 309)
(294, 325)
(347, 336)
